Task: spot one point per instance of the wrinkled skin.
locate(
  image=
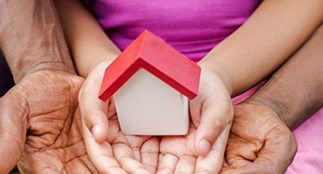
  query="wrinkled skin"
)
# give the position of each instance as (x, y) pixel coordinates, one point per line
(41, 122)
(259, 141)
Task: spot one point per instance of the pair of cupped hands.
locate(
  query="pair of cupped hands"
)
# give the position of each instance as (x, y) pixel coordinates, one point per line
(52, 122)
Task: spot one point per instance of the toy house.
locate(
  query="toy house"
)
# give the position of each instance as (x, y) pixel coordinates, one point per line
(151, 83)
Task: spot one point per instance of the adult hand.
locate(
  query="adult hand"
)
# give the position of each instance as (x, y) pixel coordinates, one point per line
(109, 149)
(39, 121)
(259, 141)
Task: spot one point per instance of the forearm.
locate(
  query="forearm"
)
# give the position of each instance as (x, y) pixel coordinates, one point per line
(295, 91)
(87, 40)
(275, 30)
(31, 37)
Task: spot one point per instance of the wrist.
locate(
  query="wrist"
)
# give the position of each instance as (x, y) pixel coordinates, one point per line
(221, 73)
(22, 68)
(272, 103)
(33, 41)
(97, 62)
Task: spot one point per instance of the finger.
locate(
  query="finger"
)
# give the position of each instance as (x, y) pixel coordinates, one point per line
(100, 154)
(126, 158)
(149, 154)
(274, 157)
(93, 110)
(240, 153)
(136, 153)
(186, 164)
(213, 161)
(167, 165)
(215, 113)
(13, 112)
(256, 167)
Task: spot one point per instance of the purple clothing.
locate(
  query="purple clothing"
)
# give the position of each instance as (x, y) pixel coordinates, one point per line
(193, 27)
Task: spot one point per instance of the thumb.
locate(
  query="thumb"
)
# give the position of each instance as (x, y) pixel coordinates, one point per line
(275, 156)
(94, 112)
(12, 130)
(215, 116)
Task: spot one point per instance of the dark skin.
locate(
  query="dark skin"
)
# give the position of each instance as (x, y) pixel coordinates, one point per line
(40, 123)
(48, 116)
(261, 140)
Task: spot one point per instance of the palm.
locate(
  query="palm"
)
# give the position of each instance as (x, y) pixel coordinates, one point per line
(57, 151)
(178, 148)
(177, 154)
(123, 153)
(48, 113)
(258, 136)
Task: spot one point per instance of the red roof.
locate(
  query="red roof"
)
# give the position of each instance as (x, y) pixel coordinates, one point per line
(153, 54)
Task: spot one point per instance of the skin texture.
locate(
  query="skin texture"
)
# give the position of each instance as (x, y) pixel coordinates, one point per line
(34, 40)
(261, 140)
(44, 127)
(40, 125)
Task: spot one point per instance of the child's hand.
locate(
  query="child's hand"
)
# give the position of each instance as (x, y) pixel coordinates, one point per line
(95, 112)
(108, 148)
(211, 111)
(202, 149)
(177, 154)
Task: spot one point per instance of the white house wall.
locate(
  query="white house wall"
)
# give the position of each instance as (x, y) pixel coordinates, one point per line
(148, 106)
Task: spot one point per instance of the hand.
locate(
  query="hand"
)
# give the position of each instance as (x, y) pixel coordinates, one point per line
(259, 141)
(109, 149)
(39, 121)
(211, 111)
(202, 149)
(177, 154)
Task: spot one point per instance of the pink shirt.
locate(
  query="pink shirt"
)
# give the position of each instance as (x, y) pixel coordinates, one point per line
(193, 27)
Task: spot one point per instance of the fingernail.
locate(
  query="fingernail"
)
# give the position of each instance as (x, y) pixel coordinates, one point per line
(205, 146)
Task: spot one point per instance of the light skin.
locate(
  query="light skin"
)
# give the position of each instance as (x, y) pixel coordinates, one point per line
(166, 147)
(261, 140)
(251, 53)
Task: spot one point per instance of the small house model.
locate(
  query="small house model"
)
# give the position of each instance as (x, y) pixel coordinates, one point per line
(151, 83)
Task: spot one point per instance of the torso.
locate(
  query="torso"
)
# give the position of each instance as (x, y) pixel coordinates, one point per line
(193, 27)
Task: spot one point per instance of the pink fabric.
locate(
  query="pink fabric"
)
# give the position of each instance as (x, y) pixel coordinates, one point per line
(309, 137)
(194, 27)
